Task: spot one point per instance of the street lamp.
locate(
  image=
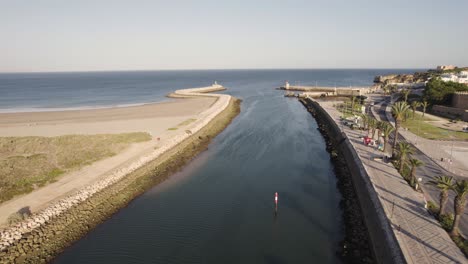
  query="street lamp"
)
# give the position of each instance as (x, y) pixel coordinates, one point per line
(417, 184)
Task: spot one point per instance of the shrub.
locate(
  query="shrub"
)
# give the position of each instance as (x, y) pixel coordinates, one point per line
(433, 208)
(19, 216)
(462, 244)
(15, 218)
(446, 221)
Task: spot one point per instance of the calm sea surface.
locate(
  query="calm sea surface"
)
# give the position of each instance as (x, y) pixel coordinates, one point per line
(219, 208)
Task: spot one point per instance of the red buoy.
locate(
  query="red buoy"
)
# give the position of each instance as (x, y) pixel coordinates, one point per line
(276, 203)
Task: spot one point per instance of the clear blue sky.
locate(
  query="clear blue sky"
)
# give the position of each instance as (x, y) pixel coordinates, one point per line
(86, 35)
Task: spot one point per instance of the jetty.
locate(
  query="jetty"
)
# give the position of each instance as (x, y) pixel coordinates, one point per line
(322, 91)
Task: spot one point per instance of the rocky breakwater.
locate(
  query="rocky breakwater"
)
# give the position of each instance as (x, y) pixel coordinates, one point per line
(48, 232)
(356, 246)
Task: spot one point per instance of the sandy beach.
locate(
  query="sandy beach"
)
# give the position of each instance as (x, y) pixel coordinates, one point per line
(153, 118)
(163, 121)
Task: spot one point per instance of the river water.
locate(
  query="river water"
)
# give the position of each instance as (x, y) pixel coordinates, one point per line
(219, 208)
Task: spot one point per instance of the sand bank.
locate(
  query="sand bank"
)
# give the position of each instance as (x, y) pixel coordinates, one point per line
(11, 236)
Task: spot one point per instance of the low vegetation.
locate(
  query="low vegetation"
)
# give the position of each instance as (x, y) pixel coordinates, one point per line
(422, 127)
(27, 163)
(186, 122)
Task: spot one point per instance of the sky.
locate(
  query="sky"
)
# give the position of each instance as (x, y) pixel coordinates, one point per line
(65, 35)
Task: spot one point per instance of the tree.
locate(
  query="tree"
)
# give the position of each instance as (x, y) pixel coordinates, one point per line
(440, 92)
(444, 184)
(380, 126)
(371, 126)
(414, 105)
(365, 120)
(404, 150)
(399, 111)
(405, 94)
(460, 188)
(353, 99)
(414, 163)
(424, 105)
(387, 129)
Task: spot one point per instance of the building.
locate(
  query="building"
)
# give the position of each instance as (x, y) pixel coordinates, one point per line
(461, 77)
(445, 67)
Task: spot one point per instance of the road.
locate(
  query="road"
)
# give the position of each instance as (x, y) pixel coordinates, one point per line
(428, 171)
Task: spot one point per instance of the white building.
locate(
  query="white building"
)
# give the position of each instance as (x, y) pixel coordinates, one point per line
(461, 77)
(449, 77)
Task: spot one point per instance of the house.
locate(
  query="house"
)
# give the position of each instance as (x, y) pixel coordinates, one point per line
(461, 77)
(449, 77)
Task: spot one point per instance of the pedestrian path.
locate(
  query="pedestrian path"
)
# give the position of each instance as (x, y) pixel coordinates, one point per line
(420, 236)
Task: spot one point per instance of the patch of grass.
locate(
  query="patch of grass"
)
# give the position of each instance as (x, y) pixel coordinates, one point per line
(347, 110)
(420, 127)
(27, 163)
(186, 122)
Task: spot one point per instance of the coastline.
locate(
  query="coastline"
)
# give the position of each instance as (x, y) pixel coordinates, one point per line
(42, 243)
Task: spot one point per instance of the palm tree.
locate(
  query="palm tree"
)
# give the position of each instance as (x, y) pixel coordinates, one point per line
(387, 129)
(424, 105)
(405, 93)
(414, 163)
(399, 111)
(353, 99)
(414, 105)
(365, 120)
(444, 184)
(404, 150)
(380, 125)
(371, 125)
(460, 188)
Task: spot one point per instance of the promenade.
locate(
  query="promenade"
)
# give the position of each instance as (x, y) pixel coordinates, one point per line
(420, 236)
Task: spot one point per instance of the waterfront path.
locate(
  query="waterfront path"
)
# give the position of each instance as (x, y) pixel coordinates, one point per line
(420, 236)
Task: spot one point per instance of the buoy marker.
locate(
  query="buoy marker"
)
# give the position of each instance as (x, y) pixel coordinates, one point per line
(276, 202)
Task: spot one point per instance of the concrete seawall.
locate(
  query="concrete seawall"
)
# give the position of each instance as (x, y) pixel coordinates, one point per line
(46, 233)
(384, 244)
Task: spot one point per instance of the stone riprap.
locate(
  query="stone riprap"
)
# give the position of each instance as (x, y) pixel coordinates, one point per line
(12, 234)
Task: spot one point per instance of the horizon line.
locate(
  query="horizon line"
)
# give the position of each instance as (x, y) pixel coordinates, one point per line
(208, 69)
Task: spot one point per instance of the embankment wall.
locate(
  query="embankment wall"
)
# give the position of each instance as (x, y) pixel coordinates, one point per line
(384, 243)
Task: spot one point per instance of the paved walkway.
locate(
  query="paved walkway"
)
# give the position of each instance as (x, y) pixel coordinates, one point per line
(420, 236)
